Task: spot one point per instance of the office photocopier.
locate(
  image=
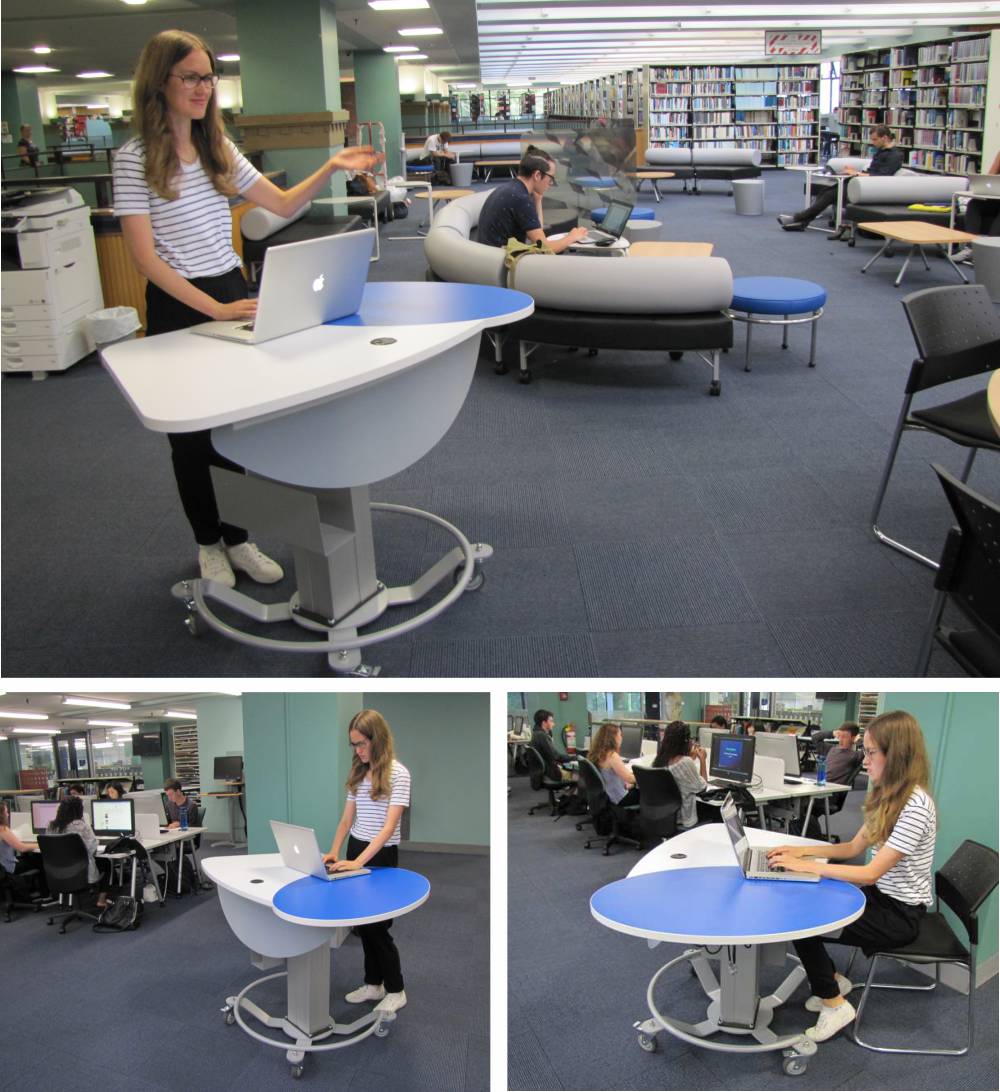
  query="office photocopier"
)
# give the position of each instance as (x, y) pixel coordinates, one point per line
(50, 280)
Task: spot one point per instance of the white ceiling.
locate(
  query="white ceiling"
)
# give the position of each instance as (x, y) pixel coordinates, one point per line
(146, 706)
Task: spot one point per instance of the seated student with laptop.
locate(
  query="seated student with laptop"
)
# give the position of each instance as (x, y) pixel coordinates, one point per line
(513, 209)
(900, 825)
(16, 856)
(177, 802)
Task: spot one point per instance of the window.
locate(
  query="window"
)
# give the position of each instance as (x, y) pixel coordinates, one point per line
(829, 86)
(36, 754)
(605, 705)
(798, 706)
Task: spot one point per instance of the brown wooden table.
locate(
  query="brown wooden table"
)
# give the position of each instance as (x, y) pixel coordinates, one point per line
(993, 400)
(654, 177)
(918, 235)
(653, 248)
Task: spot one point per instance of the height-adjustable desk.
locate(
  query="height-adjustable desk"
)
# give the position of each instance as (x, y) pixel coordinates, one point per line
(314, 418)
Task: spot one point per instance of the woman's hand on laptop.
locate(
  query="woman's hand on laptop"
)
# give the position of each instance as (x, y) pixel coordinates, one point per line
(233, 312)
(789, 851)
(344, 866)
(787, 858)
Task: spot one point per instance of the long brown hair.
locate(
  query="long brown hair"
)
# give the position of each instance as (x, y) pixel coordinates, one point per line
(906, 768)
(372, 725)
(604, 742)
(208, 134)
(4, 815)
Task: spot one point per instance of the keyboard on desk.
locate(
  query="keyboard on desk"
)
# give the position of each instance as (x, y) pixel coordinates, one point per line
(759, 862)
(596, 237)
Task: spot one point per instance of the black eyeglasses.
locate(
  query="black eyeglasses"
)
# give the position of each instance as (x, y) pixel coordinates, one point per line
(191, 80)
(545, 174)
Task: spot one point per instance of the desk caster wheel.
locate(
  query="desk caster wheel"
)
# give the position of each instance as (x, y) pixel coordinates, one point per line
(192, 623)
(852, 241)
(477, 579)
(647, 1042)
(676, 354)
(296, 1071)
(524, 376)
(228, 1016)
(715, 387)
(794, 1067)
(381, 1030)
(499, 369)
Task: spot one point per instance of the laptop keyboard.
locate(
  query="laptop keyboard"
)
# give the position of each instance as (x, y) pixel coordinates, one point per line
(246, 326)
(759, 862)
(597, 237)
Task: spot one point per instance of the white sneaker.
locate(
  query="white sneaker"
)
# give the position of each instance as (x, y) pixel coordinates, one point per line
(845, 985)
(392, 1002)
(214, 565)
(367, 992)
(830, 1022)
(259, 567)
(962, 255)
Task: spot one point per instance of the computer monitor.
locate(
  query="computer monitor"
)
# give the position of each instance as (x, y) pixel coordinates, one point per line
(228, 767)
(149, 801)
(43, 812)
(112, 816)
(778, 745)
(732, 758)
(706, 734)
(631, 741)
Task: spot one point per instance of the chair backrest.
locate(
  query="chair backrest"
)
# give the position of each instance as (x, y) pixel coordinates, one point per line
(659, 800)
(957, 332)
(195, 816)
(839, 799)
(66, 862)
(536, 767)
(970, 564)
(965, 880)
(593, 786)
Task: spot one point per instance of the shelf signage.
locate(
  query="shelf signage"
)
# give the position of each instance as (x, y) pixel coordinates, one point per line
(793, 43)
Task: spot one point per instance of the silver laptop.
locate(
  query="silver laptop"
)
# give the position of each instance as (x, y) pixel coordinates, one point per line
(300, 851)
(303, 285)
(985, 185)
(754, 862)
(614, 223)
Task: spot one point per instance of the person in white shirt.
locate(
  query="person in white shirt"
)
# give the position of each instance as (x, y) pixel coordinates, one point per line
(172, 184)
(378, 789)
(900, 825)
(437, 145)
(685, 759)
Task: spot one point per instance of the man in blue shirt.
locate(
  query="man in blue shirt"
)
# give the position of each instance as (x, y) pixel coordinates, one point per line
(514, 209)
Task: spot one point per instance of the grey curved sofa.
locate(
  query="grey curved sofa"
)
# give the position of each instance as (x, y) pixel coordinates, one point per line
(888, 197)
(665, 304)
(705, 163)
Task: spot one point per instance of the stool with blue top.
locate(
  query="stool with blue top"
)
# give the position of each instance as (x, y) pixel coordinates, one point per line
(777, 301)
(597, 215)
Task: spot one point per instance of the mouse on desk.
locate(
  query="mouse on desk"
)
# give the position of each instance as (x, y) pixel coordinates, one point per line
(604, 242)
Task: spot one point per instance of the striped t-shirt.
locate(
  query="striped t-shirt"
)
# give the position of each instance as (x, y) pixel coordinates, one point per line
(194, 233)
(913, 835)
(369, 815)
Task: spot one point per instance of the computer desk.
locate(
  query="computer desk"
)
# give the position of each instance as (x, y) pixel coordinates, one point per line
(690, 891)
(285, 917)
(315, 418)
(233, 792)
(183, 839)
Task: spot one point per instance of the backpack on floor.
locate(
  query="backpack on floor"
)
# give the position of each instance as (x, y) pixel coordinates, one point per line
(121, 914)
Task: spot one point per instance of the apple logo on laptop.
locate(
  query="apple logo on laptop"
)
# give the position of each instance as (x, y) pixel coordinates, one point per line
(317, 285)
(295, 849)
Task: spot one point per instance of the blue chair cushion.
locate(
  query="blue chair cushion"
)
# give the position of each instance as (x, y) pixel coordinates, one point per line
(597, 215)
(422, 169)
(776, 295)
(593, 182)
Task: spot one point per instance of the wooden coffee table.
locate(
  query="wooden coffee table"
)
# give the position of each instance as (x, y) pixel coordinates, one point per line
(918, 235)
(653, 248)
(654, 177)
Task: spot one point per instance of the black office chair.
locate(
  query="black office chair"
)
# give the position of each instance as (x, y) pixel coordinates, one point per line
(66, 863)
(540, 782)
(16, 892)
(957, 332)
(969, 577)
(838, 801)
(963, 882)
(609, 819)
(659, 802)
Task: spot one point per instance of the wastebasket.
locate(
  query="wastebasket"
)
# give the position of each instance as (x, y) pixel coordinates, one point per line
(749, 194)
(112, 324)
(461, 174)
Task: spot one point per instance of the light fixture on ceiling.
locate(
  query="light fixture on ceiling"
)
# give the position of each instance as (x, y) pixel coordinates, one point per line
(228, 57)
(94, 75)
(124, 731)
(41, 49)
(35, 731)
(100, 746)
(97, 703)
(2, 738)
(464, 86)
(400, 49)
(34, 69)
(419, 32)
(22, 715)
(111, 723)
(134, 3)
(397, 5)
(179, 714)
(411, 57)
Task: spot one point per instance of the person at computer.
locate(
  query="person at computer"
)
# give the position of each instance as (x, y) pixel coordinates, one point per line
(69, 820)
(840, 760)
(16, 856)
(113, 791)
(900, 824)
(541, 740)
(686, 761)
(886, 160)
(513, 209)
(605, 754)
(177, 802)
(76, 789)
(378, 789)
(981, 217)
(172, 184)
(27, 149)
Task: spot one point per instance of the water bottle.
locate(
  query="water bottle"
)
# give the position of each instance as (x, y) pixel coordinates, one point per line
(184, 815)
(821, 770)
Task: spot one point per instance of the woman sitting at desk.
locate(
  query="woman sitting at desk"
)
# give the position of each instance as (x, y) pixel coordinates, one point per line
(900, 824)
(172, 185)
(619, 781)
(113, 791)
(10, 846)
(685, 759)
(69, 820)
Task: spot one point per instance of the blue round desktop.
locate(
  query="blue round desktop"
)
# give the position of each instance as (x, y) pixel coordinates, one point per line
(379, 895)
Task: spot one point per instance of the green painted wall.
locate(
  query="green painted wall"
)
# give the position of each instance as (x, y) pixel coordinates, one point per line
(220, 732)
(376, 90)
(443, 739)
(8, 764)
(961, 731)
(836, 712)
(157, 768)
(19, 102)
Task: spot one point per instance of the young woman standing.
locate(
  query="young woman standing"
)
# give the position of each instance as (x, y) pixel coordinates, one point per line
(900, 825)
(378, 788)
(172, 184)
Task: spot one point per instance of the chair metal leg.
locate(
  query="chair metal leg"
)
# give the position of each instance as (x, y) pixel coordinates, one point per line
(746, 358)
(784, 333)
(812, 342)
(927, 643)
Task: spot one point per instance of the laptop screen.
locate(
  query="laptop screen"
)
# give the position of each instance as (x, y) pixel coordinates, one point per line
(734, 828)
(616, 217)
(732, 758)
(113, 816)
(631, 741)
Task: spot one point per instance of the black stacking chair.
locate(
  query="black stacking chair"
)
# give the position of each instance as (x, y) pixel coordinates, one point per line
(957, 331)
(659, 802)
(540, 782)
(608, 818)
(963, 883)
(16, 892)
(66, 863)
(969, 578)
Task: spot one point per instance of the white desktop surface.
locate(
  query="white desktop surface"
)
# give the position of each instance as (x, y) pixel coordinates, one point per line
(238, 875)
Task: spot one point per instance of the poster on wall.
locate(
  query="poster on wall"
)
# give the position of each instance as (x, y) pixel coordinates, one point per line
(793, 43)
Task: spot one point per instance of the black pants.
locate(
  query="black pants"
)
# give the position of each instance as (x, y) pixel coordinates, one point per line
(630, 798)
(826, 198)
(192, 452)
(381, 954)
(886, 922)
(981, 218)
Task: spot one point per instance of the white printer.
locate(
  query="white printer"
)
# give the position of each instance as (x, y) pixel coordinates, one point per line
(50, 280)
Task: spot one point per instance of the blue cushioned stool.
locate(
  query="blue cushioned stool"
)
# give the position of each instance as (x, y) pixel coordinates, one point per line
(597, 215)
(592, 182)
(780, 298)
(424, 168)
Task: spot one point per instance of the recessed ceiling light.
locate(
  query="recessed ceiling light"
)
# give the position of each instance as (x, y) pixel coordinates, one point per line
(228, 57)
(463, 86)
(124, 731)
(94, 75)
(111, 723)
(97, 703)
(34, 69)
(15, 714)
(179, 714)
(134, 3)
(400, 49)
(419, 32)
(397, 5)
(37, 731)
(41, 49)
(411, 57)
